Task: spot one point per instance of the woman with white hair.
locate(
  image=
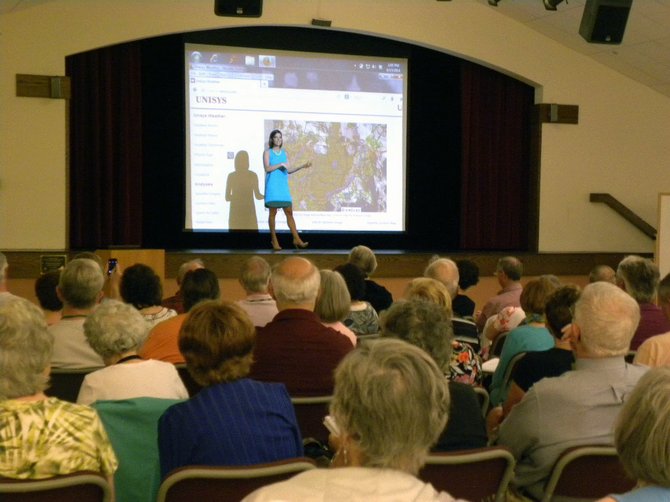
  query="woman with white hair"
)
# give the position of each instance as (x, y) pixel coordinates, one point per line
(115, 331)
(390, 404)
(642, 438)
(41, 436)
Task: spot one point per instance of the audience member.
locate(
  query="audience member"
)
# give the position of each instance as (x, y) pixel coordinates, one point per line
(580, 406)
(530, 336)
(655, 350)
(639, 277)
(295, 348)
(45, 291)
(362, 318)
(602, 273)
(233, 420)
(390, 405)
(258, 304)
(41, 437)
(5, 295)
(508, 272)
(468, 275)
(465, 366)
(642, 438)
(503, 322)
(115, 331)
(445, 271)
(375, 294)
(176, 302)
(141, 287)
(535, 366)
(110, 289)
(427, 325)
(80, 290)
(198, 285)
(332, 304)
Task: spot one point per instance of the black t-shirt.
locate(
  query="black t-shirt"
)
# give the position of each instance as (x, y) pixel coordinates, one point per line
(535, 366)
(463, 306)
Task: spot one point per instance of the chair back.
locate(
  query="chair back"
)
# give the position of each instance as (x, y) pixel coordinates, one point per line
(507, 377)
(132, 427)
(484, 399)
(586, 473)
(480, 475)
(85, 486)
(497, 345)
(205, 483)
(310, 412)
(64, 383)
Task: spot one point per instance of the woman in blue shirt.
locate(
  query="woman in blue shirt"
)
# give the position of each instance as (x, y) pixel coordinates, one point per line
(277, 194)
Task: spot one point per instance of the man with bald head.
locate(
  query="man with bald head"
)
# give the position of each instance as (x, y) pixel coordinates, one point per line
(445, 271)
(295, 348)
(581, 406)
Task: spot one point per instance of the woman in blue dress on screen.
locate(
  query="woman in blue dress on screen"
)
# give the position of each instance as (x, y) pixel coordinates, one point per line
(277, 194)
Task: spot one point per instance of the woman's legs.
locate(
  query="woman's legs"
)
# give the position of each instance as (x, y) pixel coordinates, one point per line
(297, 241)
(273, 233)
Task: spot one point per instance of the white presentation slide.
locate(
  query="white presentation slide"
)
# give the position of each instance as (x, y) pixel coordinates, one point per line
(345, 114)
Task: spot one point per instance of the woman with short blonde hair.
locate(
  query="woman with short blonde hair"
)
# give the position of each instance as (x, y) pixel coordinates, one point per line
(333, 302)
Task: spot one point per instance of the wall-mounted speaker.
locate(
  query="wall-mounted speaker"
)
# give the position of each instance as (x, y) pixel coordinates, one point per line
(604, 21)
(238, 8)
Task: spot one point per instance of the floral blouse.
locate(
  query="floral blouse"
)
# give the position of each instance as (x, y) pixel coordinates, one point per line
(40, 439)
(465, 366)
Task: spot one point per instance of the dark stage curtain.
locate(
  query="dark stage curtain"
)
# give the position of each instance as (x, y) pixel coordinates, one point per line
(105, 177)
(496, 203)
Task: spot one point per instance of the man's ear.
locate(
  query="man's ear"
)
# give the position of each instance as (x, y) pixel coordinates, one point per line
(574, 335)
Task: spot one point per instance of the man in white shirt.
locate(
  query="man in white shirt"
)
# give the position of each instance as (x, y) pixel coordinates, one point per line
(80, 290)
(255, 278)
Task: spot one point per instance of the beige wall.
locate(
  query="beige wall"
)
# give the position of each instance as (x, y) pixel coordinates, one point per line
(619, 146)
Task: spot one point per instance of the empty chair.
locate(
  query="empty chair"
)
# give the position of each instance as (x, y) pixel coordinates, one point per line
(586, 473)
(64, 383)
(475, 475)
(83, 486)
(187, 484)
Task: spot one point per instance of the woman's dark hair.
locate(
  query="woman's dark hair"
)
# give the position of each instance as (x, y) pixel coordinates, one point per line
(141, 286)
(468, 273)
(45, 290)
(355, 279)
(275, 131)
(198, 285)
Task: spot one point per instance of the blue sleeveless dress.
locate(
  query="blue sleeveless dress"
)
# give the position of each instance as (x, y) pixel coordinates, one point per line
(276, 183)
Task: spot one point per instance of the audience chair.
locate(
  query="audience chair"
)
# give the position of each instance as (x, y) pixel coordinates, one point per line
(586, 473)
(191, 385)
(310, 412)
(64, 383)
(479, 475)
(85, 486)
(497, 345)
(484, 399)
(187, 484)
(507, 377)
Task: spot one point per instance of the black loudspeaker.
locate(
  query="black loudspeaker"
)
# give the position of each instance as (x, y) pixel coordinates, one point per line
(604, 21)
(238, 8)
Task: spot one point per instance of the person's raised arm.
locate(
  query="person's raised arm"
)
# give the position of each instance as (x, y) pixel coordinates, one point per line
(298, 168)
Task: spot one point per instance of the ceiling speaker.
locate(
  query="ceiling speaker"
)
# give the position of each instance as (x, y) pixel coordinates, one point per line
(604, 21)
(238, 8)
